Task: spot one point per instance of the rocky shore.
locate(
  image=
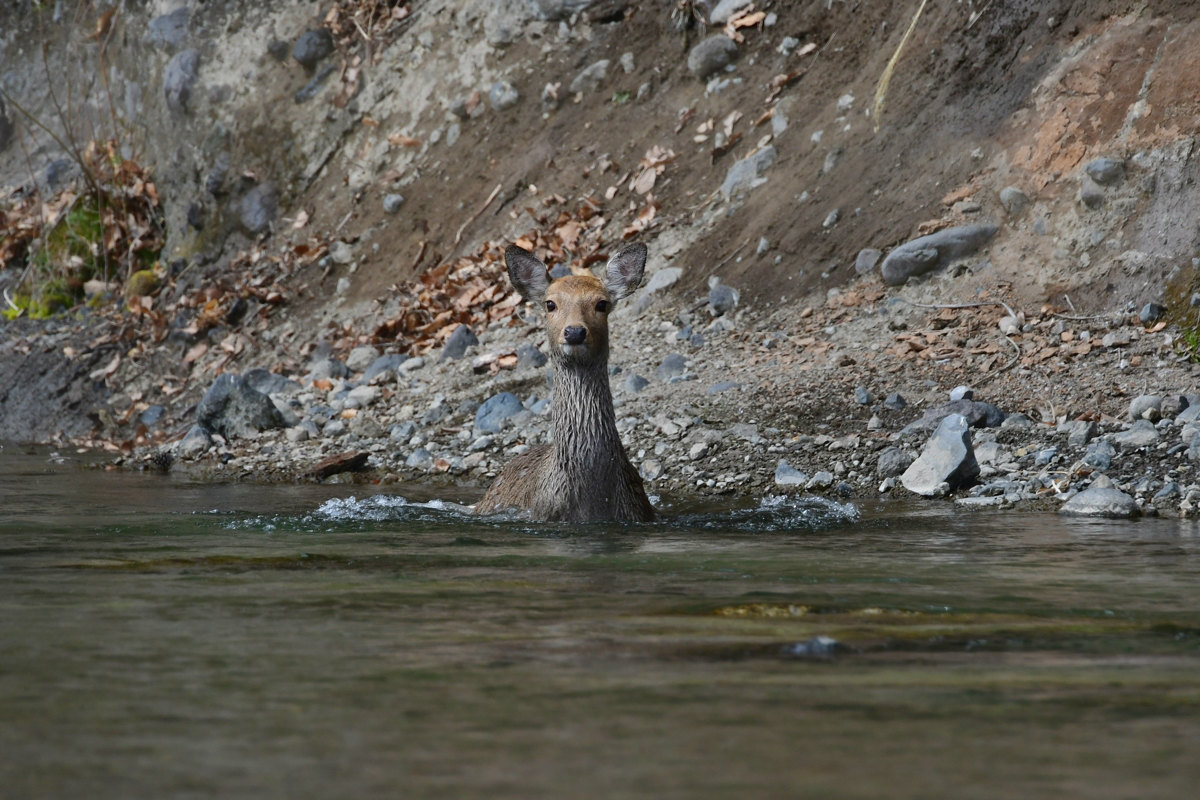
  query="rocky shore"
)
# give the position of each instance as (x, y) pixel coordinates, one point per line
(865, 393)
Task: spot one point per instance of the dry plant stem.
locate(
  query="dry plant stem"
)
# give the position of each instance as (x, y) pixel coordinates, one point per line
(476, 215)
(886, 78)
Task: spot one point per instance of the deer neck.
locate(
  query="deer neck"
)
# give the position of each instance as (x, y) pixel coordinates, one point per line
(586, 442)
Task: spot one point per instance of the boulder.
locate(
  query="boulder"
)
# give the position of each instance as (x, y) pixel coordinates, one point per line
(928, 253)
(233, 408)
(946, 462)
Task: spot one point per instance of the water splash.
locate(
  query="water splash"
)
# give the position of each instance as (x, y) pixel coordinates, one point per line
(776, 513)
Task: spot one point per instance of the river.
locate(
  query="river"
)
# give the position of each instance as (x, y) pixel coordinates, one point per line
(162, 638)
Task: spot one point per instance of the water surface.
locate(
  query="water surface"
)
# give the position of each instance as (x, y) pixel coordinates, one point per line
(166, 639)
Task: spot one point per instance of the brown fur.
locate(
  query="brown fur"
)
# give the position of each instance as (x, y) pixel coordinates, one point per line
(584, 476)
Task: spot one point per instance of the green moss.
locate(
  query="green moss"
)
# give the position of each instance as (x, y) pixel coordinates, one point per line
(1181, 312)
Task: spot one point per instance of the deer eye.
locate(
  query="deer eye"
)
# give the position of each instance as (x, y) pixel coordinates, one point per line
(602, 306)
(551, 305)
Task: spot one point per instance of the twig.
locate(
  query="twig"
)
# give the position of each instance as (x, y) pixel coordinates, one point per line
(420, 255)
(477, 214)
(1007, 307)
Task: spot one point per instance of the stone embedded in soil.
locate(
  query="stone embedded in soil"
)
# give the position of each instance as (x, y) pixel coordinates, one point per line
(927, 253)
(746, 174)
(977, 413)
(1105, 171)
(179, 78)
(1146, 406)
(1141, 433)
(721, 298)
(168, 32)
(503, 95)
(382, 365)
(313, 46)
(1099, 455)
(456, 346)
(1090, 193)
(866, 260)
(673, 365)
(361, 357)
(1152, 312)
(894, 402)
(946, 462)
(197, 441)
(1014, 200)
(267, 382)
(634, 383)
(496, 411)
(530, 357)
(1101, 499)
(591, 77)
(232, 408)
(711, 55)
(787, 475)
(392, 203)
(258, 207)
(893, 462)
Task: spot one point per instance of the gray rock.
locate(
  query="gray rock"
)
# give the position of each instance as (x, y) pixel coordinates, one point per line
(233, 409)
(1105, 171)
(496, 411)
(978, 415)
(832, 218)
(6, 128)
(1146, 406)
(711, 55)
(723, 386)
(456, 346)
(1173, 405)
(726, 9)
(721, 298)
(402, 431)
(1170, 491)
(892, 462)
(1016, 421)
(947, 460)
(894, 402)
(326, 368)
(863, 396)
(383, 365)
(1101, 499)
(262, 380)
(258, 208)
(530, 357)
(664, 278)
(651, 470)
(559, 9)
(589, 79)
(866, 260)
(179, 78)
(361, 357)
(821, 480)
(412, 364)
(747, 174)
(927, 253)
(312, 47)
(672, 365)
(297, 434)
(1082, 433)
(990, 453)
(1014, 200)
(1099, 455)
(169, 31)
(503, 95)
(1090, 193)
(1152, 312)
(1141, 433)
(419, 459)
(635, 383)
(961, 393)
(392, 203)
(197, 441)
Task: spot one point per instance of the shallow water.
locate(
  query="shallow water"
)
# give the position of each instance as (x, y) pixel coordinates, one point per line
(168, 639)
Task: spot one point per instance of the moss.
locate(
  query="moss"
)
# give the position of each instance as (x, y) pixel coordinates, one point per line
(1181, 312)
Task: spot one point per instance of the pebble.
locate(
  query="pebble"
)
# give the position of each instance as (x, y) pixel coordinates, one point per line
(711, 55)
(1090, 193)
(894, 402)
(721, 298)
(747, 173)
(313, 46)
(589, 79)
(867, 260)
(1141, 433)
(863, 396)
(503, 96)
(179, 78)
(392, 203)
(496, 411)
(1014, 200)
(673, 365)
(1105, 171)
(458, 342)
(257, 208)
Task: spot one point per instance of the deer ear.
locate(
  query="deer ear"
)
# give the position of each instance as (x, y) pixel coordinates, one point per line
(527, 274)
(624, 271)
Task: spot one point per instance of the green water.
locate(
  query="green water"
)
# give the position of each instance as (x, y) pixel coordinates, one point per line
(166, 639)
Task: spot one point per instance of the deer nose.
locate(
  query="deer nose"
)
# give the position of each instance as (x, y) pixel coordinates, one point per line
(575, 334)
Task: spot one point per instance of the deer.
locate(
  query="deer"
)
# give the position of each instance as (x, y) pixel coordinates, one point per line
(584, 475)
